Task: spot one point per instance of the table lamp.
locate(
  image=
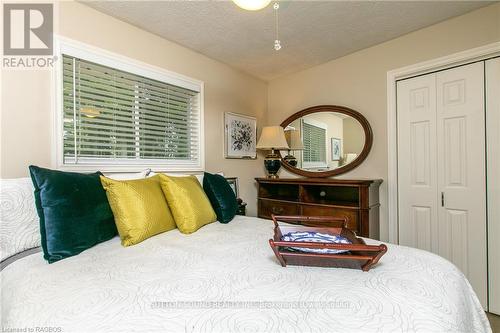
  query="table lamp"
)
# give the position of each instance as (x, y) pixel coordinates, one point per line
(294, 143)
(272, 138)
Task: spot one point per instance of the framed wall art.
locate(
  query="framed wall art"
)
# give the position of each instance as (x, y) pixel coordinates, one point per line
(336, 149)
(240, 136)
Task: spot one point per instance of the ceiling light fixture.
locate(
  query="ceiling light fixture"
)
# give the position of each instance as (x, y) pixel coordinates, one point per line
(259, 4)
(277, 42)
(252, 4)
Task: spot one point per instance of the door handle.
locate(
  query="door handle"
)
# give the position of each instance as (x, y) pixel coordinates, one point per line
(442, 199)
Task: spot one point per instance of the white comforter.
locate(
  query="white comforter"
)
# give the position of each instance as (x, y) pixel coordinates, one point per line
(225, 278)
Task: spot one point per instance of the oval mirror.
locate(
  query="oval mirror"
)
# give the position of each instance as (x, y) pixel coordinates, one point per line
(325, 141)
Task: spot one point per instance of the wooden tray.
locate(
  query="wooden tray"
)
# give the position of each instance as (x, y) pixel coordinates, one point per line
(360, 255)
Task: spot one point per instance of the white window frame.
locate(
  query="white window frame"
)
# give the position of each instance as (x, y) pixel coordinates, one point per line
(100, 56)
(312, 165)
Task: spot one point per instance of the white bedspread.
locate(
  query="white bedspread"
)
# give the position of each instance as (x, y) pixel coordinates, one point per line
(225, 278)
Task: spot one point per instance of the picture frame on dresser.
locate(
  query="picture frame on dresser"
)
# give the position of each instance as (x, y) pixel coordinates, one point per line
(233, 183)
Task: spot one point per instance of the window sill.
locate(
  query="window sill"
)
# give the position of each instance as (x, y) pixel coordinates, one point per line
(129, 168)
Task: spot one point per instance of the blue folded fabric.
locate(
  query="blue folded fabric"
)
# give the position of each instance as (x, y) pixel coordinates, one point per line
(315, 237)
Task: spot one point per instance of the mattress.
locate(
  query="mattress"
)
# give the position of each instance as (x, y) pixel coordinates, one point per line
(225, 278)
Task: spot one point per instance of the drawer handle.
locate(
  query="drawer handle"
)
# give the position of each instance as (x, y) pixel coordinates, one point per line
(277, 210)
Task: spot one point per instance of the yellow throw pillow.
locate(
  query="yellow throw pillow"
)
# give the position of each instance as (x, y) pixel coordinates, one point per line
(188, 202)
(139, 208)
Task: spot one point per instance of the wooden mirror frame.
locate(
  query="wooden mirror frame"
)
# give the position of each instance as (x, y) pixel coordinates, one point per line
(348, 167)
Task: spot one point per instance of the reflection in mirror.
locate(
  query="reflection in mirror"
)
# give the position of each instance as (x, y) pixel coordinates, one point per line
(295, 144)
(323, 141)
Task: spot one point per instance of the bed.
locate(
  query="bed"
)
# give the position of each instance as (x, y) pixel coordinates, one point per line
(225, 278)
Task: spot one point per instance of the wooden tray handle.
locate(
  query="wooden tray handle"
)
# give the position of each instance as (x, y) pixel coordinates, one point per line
(319, 245)
(313, 221)
(370, 259)
(366, 267)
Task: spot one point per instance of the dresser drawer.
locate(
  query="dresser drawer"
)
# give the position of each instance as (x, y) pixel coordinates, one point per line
(352, 215)
(268, 207)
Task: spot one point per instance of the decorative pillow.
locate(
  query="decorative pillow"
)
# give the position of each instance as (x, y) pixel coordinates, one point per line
(139, 207)
(189, 204)
(19, 226)
(221, 196)
(315, 237)
(74, 212)
(199, 177)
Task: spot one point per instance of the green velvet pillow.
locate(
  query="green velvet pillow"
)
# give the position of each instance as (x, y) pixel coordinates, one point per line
(74, 212)
(221, 197)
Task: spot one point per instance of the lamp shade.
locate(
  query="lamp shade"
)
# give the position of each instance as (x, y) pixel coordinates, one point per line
(272, 137)
(294, 140)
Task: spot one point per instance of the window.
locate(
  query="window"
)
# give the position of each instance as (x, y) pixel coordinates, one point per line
(314, 139)
(117, 117)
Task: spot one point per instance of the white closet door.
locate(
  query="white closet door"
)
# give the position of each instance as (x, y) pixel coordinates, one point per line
(417, 162)
(441, 168)
(462, 172)
(493, 153)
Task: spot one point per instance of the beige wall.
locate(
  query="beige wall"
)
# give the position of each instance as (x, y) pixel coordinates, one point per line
(359, 81)
(26, 95)
(354, 136)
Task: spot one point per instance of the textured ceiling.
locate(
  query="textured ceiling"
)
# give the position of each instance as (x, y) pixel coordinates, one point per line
(312, 32)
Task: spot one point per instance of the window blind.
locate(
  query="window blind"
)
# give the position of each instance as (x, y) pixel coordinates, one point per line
(314, 139)
(112, 117)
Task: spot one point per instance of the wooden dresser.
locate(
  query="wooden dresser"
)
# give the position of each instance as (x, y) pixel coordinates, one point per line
(358, 200)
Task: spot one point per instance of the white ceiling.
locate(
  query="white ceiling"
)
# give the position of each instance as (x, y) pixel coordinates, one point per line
(311, 32)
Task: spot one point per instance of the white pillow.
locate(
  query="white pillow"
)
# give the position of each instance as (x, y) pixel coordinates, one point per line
(129, 175)
(19, 223)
